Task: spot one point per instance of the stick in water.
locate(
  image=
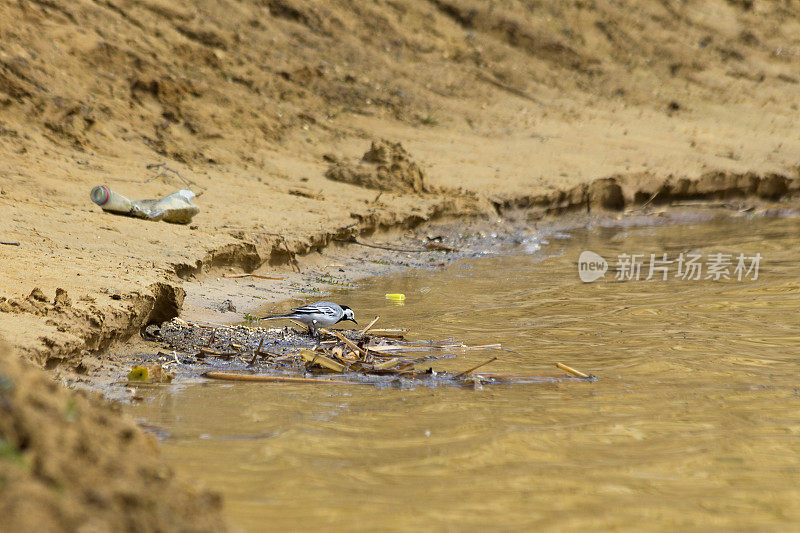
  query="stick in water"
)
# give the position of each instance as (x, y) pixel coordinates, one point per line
(369, 326)
(345, 340)
(465, 372)
(230, 376)
(572, 371)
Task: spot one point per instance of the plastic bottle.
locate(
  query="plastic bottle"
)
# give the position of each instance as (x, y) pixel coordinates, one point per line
(177, 208)
(111, 201)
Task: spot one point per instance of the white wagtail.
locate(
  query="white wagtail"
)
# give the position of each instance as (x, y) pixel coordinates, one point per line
(318, 315)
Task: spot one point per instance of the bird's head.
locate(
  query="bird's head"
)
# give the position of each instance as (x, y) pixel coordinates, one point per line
(349, 315)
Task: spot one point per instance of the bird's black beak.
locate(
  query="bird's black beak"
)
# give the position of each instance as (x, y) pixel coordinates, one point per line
(354, 321)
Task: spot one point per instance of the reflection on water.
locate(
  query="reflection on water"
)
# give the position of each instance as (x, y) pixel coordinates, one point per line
(695, 421)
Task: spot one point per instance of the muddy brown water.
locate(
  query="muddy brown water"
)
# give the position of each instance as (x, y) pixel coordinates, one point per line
(693, 424)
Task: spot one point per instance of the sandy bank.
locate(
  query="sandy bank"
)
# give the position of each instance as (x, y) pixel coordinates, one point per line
(70, 462)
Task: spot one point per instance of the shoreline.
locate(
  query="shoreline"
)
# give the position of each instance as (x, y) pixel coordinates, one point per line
(86, 325)
(213, 298)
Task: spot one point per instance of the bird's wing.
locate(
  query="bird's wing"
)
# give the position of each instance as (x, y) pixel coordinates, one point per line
(321, 308)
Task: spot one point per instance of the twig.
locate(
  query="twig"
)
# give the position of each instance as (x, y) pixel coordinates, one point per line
(703, 203)
(164, 170)
(139, 384)
(322, 360)
(390, 248)
(230, 376)
(650, 199)
(278, 357)
(353, 346)
(391, 348)
(572, 371)
(217, 353)
(292, 260)
(440, 247)
(389, 363)
(369, 326)
(641, 207)
(259, 276)
(491, 79)
(10, 243)
(465, 372)
(300, 324)
(194, 324)
(480, 347)
(465, 347)
(516, 377)
(390, 333)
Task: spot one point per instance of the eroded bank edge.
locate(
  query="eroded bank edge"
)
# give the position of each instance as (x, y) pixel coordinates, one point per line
(96, 328)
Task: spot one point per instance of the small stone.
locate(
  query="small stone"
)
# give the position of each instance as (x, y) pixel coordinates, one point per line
(227, 307)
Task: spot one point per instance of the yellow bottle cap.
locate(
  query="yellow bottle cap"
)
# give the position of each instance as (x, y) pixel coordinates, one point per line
(396, 296)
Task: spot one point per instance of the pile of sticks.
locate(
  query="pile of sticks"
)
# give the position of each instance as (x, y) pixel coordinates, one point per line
(337, 356)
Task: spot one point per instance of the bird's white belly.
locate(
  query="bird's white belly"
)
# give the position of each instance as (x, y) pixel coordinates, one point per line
(318, 321)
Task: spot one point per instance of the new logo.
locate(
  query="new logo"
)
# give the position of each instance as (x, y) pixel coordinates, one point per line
(591, 266)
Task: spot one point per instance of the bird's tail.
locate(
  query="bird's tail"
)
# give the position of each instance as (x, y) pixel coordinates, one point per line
(271, 317)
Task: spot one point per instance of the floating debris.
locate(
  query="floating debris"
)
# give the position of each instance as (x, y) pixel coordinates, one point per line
(367, 356)
(572, 371)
